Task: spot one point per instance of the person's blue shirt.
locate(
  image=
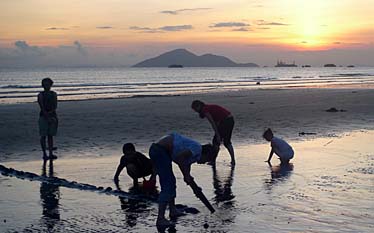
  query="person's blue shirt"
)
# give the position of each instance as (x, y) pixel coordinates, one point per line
(182, 143)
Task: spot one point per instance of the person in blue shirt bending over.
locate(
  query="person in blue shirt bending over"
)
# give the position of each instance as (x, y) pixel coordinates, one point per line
(183, 151)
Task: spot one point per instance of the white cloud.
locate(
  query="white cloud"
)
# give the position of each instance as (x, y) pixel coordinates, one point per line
(176, 12)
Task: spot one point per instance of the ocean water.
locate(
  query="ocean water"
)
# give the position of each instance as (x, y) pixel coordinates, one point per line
(22, 85)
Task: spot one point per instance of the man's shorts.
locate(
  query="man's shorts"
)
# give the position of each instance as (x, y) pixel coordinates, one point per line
(48, 128)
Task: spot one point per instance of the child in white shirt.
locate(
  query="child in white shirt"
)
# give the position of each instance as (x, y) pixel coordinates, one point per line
(279, 147)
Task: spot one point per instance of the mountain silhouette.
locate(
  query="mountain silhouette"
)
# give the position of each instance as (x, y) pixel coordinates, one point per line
(187, 59)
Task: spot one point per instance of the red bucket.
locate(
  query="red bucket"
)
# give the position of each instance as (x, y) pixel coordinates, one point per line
(149, 184)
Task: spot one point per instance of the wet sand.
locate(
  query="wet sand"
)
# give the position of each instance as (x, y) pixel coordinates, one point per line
(328, 188)
(100, 127)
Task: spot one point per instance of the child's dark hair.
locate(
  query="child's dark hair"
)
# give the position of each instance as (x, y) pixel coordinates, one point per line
(47, 80)
(268, 132)
(128, 147)
(198, 104)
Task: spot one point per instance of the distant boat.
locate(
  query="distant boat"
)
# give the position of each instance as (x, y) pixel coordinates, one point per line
(350, 66)
(175, 66)
(329, 65)
(283, 64)
(305, 66)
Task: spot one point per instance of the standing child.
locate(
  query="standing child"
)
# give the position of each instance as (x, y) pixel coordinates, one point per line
(137, 164)
(48, 121)
(279, 147)
(222, 123)
(183, 151)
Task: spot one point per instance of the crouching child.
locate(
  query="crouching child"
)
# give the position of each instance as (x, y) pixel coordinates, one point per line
(278, 146)
(136, 163)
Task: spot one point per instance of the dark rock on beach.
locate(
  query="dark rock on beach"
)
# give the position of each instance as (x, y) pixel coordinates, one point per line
(186, 209)
(335, 110)
(305, 133)
(180, 206)
(191, 210)
(332, 110)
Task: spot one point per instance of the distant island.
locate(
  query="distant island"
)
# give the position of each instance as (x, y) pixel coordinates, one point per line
(283, 64)
(185, 58)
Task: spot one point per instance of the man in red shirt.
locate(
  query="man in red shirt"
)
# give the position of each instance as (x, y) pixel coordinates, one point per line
(222, 122)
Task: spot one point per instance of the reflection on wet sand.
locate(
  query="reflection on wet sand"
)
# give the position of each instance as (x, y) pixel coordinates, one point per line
(134, 208)
(278, 173)
(50, 197)
(222, 188)
(224, 196)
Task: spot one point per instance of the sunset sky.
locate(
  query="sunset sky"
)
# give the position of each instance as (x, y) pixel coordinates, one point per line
(123, 32)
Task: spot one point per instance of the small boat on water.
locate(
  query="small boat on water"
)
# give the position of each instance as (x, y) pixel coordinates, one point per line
(329, 65)
(283, 64)
(175, 66)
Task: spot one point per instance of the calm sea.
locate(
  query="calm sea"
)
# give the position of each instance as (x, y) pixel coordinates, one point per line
(22, 85)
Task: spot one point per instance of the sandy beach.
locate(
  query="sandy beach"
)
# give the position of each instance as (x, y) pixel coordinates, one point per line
(328, 188)
(95, 95)
(100, 127)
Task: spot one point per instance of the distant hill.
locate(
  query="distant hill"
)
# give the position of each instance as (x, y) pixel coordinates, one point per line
(187, 59)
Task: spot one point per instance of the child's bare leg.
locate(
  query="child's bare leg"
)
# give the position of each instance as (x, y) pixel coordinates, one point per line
(50, 149)
(230, 149)
(50, 145)
(135, 182)
(284, 161)
(43, 145)
(132, 171)
(161, 220)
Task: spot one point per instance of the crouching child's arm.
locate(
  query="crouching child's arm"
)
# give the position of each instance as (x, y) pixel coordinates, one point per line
(154, 173)
(120, 167)
(270, 155)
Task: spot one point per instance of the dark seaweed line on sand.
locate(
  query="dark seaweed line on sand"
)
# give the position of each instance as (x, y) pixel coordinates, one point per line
(86, 187)
(71, 184)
